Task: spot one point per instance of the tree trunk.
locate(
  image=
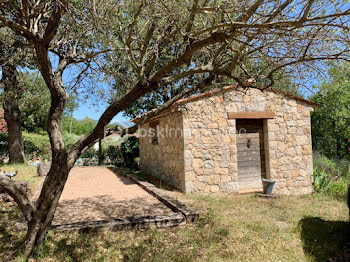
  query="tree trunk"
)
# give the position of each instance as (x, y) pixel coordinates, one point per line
(15, 142)
(46, 205)
(349, 199)
(61, 164)
(12, 113)
(100, 153)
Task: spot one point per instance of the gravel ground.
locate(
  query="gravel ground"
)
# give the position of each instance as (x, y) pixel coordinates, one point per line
(98, 193)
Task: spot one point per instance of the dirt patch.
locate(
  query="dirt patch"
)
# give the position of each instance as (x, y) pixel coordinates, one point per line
(97, 193)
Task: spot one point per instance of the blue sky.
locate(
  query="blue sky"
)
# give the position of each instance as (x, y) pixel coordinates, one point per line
(91, 103)
(87, 109)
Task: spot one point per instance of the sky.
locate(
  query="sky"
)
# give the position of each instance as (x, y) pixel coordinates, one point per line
(87, 109)
(92, 105)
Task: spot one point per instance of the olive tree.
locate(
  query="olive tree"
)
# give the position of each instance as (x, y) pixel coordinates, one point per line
(154, 45)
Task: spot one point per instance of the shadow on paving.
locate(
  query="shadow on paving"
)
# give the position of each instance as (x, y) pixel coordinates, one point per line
(323, 240)
(105, 207)
(159, 183)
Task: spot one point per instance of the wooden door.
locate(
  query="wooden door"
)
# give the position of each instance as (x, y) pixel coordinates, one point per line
(250, 155)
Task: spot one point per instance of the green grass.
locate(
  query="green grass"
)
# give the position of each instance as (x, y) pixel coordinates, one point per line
(25, 172)
(230, 228)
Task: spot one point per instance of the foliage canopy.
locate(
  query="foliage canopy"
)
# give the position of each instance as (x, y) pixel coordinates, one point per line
(331, 122)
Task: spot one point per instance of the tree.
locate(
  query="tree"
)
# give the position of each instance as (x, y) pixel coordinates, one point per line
(163, 43)
(9, 60)
(78, 127)
(3, 125)
(331, 122)
(71, 106)
(34, 103)
(159, 97)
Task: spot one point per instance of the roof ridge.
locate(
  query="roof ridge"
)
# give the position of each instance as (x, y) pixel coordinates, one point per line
(228, 88)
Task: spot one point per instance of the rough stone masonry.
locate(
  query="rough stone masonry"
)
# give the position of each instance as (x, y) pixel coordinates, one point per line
(196, 150)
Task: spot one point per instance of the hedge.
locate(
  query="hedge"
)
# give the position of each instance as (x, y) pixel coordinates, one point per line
(40, 144)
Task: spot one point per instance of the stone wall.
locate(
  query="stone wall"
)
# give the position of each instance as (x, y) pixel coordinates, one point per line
(290, 149)
(210, 147)
(210, 141)
(165, 159)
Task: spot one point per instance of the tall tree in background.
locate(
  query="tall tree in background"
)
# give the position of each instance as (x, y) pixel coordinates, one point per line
(10, 58)
(71, 106)
(331, 122)
(34, 102)
(162, 43)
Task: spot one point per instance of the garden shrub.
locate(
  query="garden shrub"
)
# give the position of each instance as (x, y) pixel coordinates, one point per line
(113, 152)
(89, 153)
(331, 176)
(131, 145)
(70, 139)
(40, 144)
(110, 155)
(130, 150)
(33, 144)
(337, 188)
(321, 180)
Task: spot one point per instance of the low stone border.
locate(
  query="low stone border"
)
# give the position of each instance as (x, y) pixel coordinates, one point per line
(176, 206)
(140, 222)
(262, 195)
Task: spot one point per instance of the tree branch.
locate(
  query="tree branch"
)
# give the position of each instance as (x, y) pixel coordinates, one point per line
(19, 29)
(139, 90)
(274, 25)
(145, 47)
(14, 189)
(197, 70)
(191, 18)
(128, 40)
(307, 10)
(53, 23)
(216, 37)
(188, 53)
(186, 92)
(234, 61)
(304, 60)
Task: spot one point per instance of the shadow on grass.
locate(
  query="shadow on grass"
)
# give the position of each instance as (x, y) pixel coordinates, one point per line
(323, 240)
(70, 247)
(157, 245)
(10, 238)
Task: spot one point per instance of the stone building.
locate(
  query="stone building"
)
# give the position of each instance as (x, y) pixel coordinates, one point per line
(227, 140)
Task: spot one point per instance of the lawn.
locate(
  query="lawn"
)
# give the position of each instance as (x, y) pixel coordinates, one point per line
(25, 172)
(230, 228)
